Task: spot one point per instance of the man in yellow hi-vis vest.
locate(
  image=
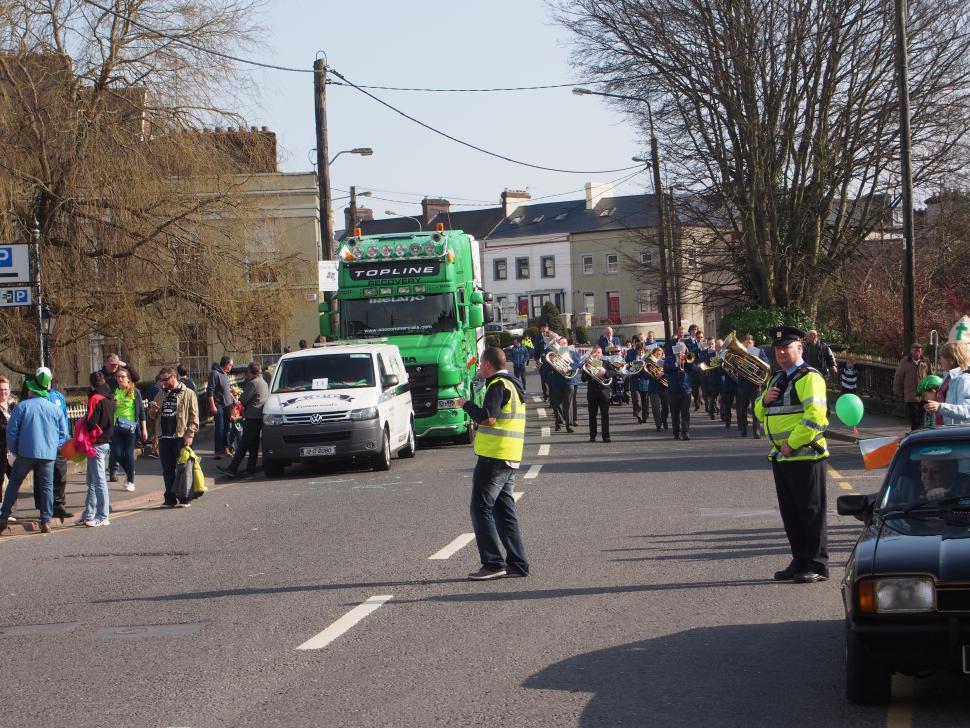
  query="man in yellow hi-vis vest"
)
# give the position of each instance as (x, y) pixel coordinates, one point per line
(498, 444)
(793, 410)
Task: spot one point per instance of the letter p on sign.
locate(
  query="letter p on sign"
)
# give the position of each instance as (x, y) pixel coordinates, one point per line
(6, 256)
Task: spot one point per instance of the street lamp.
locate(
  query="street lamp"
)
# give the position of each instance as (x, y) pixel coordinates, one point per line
(657, 193)
(361, 151)
(397, 214)
(47, 320)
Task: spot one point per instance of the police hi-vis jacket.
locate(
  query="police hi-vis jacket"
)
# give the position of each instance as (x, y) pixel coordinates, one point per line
(797, 417)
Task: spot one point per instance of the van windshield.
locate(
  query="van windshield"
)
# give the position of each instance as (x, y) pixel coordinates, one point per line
(326, 371)
(399, 315)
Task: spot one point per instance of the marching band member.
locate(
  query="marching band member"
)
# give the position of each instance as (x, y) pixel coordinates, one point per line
(575, 382)
(639, 387)
(711, 382)
(693, 347)
(660, 401)
(597, 399)
(747, 393)
(729, 389)
(560, 394)
(678, 372)
(793, 410)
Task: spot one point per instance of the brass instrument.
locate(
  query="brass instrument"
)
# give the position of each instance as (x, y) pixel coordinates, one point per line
(690, 358)
(592, 366)
(743, 365)
(652, 364)
(558, 357)
(711, 367)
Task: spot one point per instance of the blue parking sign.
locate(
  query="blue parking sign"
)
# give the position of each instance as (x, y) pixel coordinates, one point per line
(20, 296)
(6, 256)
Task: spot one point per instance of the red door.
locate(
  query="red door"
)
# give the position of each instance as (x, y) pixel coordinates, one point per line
(523, 306)
(613, 307)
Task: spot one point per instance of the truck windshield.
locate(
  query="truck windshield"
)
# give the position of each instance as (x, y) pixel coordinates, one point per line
(326, 371)
(399, 315)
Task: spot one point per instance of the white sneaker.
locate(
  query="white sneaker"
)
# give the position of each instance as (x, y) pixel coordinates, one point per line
(90, 523)
(182, 505)
(129, 486)
(100, 522)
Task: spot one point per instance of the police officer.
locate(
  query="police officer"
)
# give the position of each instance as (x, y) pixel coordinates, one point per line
(793, 410)
(499, 445)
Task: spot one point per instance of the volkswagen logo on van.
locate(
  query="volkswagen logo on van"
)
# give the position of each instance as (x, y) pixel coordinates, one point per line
(316, 419)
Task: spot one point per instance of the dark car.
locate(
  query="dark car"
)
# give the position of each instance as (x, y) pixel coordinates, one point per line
(906, 589)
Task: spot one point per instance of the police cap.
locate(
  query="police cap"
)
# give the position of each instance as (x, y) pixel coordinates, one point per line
(784, 335)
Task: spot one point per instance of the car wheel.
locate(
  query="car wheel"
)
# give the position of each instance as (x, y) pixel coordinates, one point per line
(408, 450)
(382, 461)
(868, 679)
(273, 468)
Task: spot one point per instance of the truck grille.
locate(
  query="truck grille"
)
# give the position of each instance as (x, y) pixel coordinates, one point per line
(316, 438)
(424, 388)
(953, 599)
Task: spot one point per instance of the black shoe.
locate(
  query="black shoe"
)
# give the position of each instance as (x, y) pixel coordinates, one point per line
(809, 577)
(712, 416)
(606, 439)
(676, 435)
(227, 472)
(593, 438)
(62, 513)
(558, 427)
(665, 426)
(788, 573)
(685, 436)
(485, 573)
(727, 425)
(757, 436)
(569, 429)
(744, 433)
(639, 419)
(659, 428)
(514, 574)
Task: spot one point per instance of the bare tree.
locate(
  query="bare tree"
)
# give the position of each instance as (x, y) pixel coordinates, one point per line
(143, 218)
(785, 112)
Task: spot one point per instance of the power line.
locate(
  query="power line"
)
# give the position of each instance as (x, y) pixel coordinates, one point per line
(469, 144)
(490, 90)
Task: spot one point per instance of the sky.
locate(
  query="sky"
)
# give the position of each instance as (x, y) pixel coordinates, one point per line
(438, 44)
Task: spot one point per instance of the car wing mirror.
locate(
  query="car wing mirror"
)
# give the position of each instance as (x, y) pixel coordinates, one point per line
(390, 380)
(858, 506)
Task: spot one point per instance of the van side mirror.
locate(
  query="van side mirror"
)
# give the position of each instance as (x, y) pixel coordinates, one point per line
(390, 380)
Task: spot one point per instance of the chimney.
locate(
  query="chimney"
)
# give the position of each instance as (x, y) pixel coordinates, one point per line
(512, 199)
(431, 206)
(596, 191)
(364, 214)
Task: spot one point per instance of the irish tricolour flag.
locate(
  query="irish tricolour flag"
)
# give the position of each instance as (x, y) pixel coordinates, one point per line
(877, 452)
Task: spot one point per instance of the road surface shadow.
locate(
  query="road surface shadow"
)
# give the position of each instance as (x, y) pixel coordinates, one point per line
(787, 674)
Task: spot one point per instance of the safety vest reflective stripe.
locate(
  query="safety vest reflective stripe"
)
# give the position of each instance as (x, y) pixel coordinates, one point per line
(799, 411)
(504, 439)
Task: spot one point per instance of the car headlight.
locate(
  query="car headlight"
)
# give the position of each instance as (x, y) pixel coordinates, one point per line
(365, 413)
(897, 594)
(272, 419)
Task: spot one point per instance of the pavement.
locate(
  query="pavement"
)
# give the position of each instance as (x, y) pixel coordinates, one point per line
(149, 488)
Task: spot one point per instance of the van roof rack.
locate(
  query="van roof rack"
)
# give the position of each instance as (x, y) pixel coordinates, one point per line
(351, 342)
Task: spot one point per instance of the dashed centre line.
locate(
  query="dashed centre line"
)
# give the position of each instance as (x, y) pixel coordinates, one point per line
(543, 450)
(537, 399)
(545, 431)
(347, 621)
(454, 547)
(533, 472)
(541, 411)
(835, 473)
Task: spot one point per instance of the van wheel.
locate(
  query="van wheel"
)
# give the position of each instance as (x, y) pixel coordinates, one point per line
(273, 468)
(408, 450)
(382, 461)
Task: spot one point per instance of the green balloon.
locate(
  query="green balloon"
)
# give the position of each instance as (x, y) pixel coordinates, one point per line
(849, 408)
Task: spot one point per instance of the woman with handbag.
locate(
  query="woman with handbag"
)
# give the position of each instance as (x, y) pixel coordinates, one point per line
(129, 423)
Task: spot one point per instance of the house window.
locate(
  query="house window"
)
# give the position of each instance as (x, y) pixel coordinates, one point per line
(538, 299)
(587, 265)
(267, 350)
(691, 255)
(521, 268)
(646, 257)
(501, 269)
(612, 263)
(548, 266)
(193, 348)
(589, 302)
(646, 300)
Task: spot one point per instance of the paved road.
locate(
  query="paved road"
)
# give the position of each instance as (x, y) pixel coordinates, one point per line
(650, 601)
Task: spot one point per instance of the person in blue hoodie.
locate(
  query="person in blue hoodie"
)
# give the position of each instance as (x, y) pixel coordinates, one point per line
(60, 469)
(35, 433)
(520, 357)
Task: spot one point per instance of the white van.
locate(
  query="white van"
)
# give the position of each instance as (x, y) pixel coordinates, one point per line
(338, 401)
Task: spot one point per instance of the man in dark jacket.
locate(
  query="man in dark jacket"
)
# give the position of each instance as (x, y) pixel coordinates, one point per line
(598, 398)
(538, 349)
(254, 396)
(679, 372)
(220, 405)
(112, 363)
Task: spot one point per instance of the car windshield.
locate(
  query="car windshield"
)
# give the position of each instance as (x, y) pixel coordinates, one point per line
(399, 315)
(927, 475)
(329, 371)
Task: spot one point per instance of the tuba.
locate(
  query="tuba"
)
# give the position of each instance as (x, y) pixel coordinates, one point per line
(557, 357)
(740, 364)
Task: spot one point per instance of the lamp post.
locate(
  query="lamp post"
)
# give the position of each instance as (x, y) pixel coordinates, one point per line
(360, 151)
(397, 214)
(47, 319)
(906, 173)
(658, 195)
(38, 294)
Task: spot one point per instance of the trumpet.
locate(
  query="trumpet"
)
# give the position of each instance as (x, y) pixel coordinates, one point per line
(739, 363)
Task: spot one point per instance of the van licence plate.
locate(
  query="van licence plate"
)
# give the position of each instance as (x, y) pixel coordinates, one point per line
(323, 450)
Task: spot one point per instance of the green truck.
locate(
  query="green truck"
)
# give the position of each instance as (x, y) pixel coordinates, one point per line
(421, 292)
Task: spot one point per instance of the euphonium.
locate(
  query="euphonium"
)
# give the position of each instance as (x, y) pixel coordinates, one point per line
(592, 366)
(710, 367)
(739, 363)
(558, 357)
(652, 363)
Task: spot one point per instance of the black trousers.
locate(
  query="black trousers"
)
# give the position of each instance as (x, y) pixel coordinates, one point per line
(680, 410)
(575, 401)
(915, 412)
(800, 486)
(661, 408)
(252, 429)
(519, 371)
(711, 398)
(542, 380)
(727, 402)
(641, 404)
(599, 406)
(560, 400)
(746, 397)
(695, 384)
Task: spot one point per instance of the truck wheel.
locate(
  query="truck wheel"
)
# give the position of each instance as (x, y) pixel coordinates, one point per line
(469, 436)
(273, 468)
(868, 679)
(382, 461)
(408, 450)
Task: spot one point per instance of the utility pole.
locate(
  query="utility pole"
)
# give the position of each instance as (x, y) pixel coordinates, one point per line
(661, 231)
(678, 260)
(906, 172)
(323, 158)
(38, 302)
(353, 210)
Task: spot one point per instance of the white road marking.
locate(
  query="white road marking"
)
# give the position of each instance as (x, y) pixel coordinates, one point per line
(533, 472)
(345, 622)
(537, 399)
(454, 547)
(543, 450)
(517, 494)
(541, 411)
(544, 432)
